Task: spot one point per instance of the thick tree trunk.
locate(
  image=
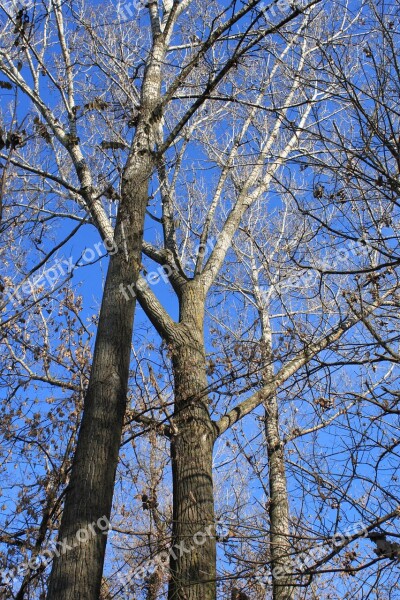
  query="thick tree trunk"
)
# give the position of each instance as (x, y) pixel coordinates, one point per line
(193, 560)
(77, 573)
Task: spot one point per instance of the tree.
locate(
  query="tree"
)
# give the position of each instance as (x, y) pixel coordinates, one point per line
(205, 122)
(26, 56)
(191, 457)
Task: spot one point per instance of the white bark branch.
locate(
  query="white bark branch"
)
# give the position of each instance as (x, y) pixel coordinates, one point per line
(304, 357)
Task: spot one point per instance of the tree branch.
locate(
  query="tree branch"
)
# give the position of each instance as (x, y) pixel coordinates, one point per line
(309, 352)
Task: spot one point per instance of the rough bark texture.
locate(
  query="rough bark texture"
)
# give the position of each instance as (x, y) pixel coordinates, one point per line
(193, 564)
(77, 573)
(282, 579)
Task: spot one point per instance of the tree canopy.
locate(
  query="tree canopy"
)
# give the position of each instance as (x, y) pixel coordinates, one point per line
(199, 233)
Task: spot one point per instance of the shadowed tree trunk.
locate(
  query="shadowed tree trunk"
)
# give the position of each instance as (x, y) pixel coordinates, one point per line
(193, 552)
(194, 557)
(90, 491)
(77, 573)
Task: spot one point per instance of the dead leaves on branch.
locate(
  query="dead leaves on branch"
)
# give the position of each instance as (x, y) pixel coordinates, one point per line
(41, 130)
(12, 139)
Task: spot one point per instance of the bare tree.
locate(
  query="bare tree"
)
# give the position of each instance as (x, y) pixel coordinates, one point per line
(194, 432)
(217, 126)
(26, 56)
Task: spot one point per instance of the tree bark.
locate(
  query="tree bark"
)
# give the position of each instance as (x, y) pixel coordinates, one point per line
(282, 572)
(77, 572)
(278, 506)
(193, 559)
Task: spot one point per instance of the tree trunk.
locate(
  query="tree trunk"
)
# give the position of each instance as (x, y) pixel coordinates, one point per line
(281, 565)
(193, 559)
(282, 577)
(77, 573)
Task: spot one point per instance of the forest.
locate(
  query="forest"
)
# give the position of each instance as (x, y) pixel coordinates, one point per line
(199, 300)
